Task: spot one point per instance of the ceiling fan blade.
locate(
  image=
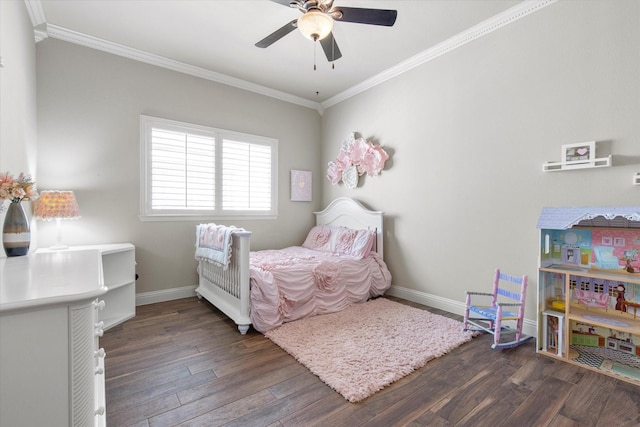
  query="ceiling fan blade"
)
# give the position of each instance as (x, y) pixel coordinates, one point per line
(386, 17)
(277, 34)
(330, 48)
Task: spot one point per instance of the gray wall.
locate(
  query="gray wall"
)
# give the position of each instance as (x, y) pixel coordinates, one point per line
(89, 104)
(470, 131)
(18, 134)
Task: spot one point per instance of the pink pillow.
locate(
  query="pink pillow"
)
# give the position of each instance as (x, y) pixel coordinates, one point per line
(318, 238)
(341, 240)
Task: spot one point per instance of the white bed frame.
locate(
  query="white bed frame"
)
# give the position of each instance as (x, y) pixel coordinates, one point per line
(228, 290)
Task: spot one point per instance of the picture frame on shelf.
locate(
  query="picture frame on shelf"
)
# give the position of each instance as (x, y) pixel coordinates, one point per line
(578, 153)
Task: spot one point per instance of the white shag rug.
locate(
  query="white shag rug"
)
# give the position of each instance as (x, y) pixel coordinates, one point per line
(368, 346)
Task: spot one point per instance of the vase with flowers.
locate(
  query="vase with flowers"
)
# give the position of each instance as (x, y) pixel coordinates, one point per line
(16, 235)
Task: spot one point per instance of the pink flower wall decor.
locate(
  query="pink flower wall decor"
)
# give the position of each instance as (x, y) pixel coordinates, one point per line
(357, 156)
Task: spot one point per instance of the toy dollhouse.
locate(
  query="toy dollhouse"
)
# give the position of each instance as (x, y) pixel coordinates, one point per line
(589, 288)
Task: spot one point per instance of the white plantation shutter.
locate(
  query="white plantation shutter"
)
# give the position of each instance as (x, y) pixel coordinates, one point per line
(182, 170)
(192, 171)
(246, 176)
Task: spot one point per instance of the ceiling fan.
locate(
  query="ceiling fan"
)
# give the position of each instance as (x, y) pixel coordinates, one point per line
(317, 20)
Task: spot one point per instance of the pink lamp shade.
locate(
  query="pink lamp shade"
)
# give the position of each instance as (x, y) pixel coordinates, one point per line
(57, 205)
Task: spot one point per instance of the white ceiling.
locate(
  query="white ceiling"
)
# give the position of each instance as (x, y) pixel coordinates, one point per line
(215, 38)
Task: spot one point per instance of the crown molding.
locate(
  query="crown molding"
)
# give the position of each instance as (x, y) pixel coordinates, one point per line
(38, 20)
(43, 30)
(498, 21)
(35, 11)
(40, 33)
(81, 39)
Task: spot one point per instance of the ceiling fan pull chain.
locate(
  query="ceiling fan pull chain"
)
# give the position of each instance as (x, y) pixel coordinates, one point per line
(333, 52)
(314, 53)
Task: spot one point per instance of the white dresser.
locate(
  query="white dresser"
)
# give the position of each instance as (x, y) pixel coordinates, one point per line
(51, 366)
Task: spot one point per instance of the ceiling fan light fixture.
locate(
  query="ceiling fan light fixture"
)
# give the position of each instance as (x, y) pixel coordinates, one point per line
(315, 25)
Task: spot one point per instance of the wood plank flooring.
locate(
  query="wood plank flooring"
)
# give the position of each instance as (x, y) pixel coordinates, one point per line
(183, 363)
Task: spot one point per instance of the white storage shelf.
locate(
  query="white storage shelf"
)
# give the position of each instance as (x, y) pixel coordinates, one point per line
(602, 162)
(119, 277)
(118, 264)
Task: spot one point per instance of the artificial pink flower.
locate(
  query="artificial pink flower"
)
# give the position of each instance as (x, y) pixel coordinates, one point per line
(17, 189)
(333, 173)
(369, 164)
(18, 193)
(376, 158)
(383, 154)
(343, 160)
(357, 151)
(6, 178)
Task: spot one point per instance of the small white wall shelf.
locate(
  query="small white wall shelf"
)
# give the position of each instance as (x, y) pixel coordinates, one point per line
(603, 162)
(636, 179)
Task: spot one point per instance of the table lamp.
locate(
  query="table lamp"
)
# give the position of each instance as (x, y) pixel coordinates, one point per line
(57, 205)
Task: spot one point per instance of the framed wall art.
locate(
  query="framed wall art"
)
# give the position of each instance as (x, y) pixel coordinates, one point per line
(581, 152)
(300, 186)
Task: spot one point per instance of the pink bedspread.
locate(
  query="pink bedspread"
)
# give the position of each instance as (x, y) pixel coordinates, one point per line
(297, 282)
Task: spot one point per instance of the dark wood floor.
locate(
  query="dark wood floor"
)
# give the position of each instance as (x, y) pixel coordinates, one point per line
(184, 363)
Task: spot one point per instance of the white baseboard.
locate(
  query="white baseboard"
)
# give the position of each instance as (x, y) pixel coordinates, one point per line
(165, 295)
(529, 326)
(452, 306)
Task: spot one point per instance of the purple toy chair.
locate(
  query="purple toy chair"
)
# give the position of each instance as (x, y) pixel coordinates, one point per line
(505, 305)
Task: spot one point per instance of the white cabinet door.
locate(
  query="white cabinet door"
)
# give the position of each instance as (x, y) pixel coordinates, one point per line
(49, 365)
(34, 367)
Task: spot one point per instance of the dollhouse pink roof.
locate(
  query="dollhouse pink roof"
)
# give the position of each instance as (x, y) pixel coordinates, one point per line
(561, 218)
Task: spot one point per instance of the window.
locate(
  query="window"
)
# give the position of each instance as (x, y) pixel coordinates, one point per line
(194, 172)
